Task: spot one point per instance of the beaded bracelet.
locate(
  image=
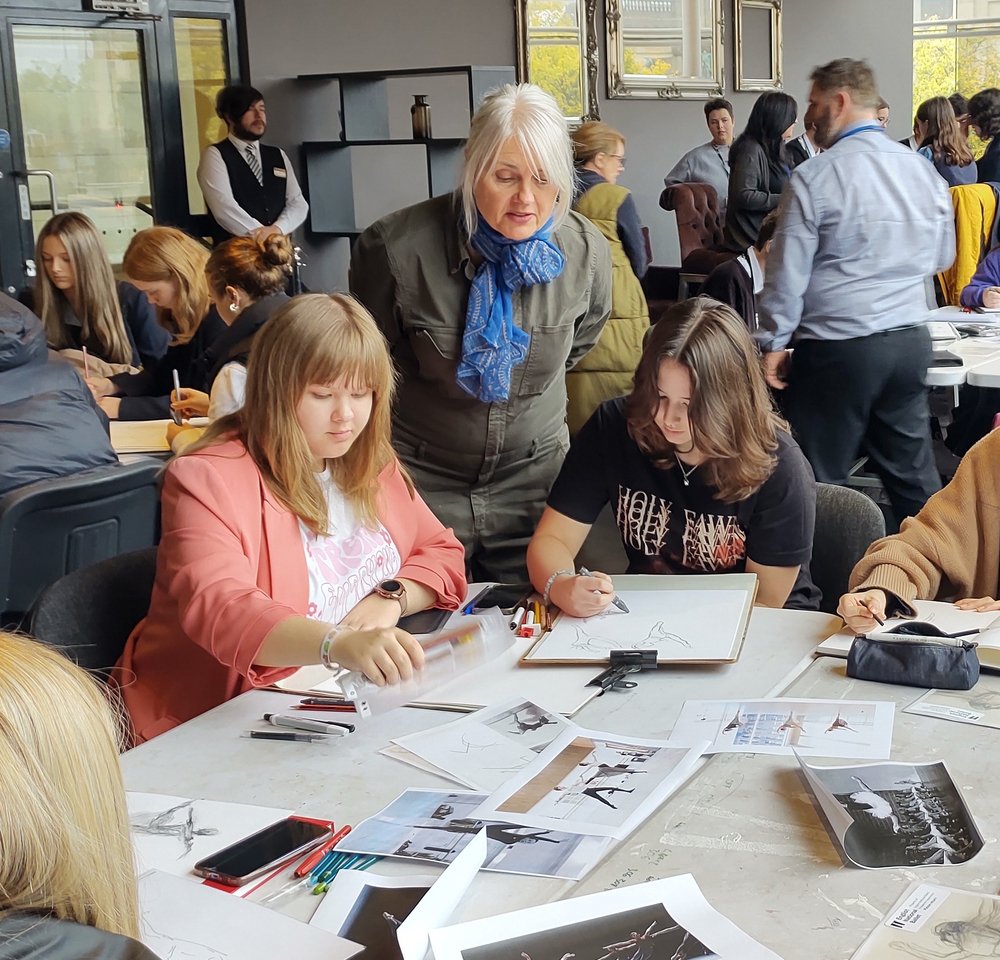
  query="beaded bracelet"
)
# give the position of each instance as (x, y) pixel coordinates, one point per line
(324, 648)
(551, 580)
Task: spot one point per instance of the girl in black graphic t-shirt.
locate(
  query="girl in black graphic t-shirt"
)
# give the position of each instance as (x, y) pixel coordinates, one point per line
(701, 473)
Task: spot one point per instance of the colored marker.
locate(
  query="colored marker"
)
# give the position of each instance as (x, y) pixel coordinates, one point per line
(287, 736)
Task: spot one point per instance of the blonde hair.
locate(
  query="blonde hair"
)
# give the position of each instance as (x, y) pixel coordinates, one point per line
(532, 118)
(99, 311)
(732, 417)
(314, 339)
(260, 268)
(169, 255)
(592, 138)
(64, 830)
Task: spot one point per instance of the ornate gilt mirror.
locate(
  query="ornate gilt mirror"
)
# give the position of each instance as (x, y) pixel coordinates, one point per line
(667, 49)
(557, 49)
(758, 44)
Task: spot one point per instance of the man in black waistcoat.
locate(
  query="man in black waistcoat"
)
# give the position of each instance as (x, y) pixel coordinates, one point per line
(249, 187)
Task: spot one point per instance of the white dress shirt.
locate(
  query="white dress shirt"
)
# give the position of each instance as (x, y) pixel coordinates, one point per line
(213, 178)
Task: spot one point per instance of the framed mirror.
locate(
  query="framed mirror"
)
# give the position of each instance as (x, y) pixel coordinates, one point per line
(557, 49)
(666, 49)
(758, 44)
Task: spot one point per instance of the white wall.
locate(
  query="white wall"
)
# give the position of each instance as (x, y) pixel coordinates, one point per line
(312, 36)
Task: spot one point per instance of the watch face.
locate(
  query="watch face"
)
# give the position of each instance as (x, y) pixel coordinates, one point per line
(391, 586)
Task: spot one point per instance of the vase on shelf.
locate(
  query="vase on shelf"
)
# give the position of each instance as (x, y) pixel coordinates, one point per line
(420, 117)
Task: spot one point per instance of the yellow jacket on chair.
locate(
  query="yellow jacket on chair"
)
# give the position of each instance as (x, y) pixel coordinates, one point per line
(975, 208)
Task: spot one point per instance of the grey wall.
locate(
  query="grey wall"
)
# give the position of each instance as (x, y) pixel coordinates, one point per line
(312, 36)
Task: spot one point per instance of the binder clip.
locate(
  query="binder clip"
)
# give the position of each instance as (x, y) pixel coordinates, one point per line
(624, 662)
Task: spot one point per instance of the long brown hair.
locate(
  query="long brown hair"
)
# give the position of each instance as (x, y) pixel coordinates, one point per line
(314, 338)
(169, 255)
(260, 268)
(98, 308)
(944, 135)
(66, 841)
(732, 418)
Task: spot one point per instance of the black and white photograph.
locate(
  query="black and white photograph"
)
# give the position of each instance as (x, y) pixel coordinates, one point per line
(665, 919)
(647, 933)
(436, 825)
(527, 724)
(903, 815)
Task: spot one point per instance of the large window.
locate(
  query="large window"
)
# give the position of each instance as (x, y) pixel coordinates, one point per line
(956, 48)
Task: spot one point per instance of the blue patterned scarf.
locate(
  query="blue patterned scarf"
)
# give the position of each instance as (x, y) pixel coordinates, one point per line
(493, 344)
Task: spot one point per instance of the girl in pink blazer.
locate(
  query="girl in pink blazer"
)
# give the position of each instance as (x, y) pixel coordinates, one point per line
(291, 533)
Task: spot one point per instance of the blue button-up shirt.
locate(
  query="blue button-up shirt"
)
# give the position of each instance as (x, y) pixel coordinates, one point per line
(860, 228)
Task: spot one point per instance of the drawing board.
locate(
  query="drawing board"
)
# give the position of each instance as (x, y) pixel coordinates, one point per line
(689, 619)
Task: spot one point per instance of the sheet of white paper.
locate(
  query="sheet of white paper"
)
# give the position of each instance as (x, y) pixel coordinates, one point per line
(594, 783)
(661, 919)
(436, 825)
(436, 908)
(187, 921)
(139, 436)
(895, 814)
(368, 908)
(861, 730)
(945, 615)
(978, 706)
(679, 624)
(485, 748)
(173, 833)
(401, 753)
(929, 920)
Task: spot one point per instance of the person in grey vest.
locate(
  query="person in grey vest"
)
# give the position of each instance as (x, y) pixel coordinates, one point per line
(249, 187)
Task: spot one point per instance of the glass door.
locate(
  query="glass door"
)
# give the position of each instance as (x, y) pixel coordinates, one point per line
(85, 128)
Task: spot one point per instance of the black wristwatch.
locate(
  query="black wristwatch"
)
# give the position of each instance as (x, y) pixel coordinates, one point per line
(393, 590)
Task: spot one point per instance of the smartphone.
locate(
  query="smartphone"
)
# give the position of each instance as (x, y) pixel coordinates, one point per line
(424, 621)
(507, 596)
(246, 859)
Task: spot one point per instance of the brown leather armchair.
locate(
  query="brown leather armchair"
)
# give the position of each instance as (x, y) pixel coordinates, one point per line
(699, 229)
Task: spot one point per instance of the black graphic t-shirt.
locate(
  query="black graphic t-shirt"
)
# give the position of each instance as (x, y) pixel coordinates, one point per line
(668, 527)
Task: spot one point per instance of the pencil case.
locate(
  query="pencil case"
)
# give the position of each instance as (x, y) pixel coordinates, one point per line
(945, 663)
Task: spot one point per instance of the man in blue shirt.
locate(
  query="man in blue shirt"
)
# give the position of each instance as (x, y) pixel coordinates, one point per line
(860, 229)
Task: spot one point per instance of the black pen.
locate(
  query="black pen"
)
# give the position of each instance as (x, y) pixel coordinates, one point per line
(616, 600)
(289, 736)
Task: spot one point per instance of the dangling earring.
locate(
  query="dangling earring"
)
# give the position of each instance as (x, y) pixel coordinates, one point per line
(233, 307)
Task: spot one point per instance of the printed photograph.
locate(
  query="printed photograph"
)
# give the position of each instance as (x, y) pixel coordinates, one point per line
(528, 725)
(594, 781)
(376, 914)
(435, 826)
(903, 815)
(937, 923)
(645, 933)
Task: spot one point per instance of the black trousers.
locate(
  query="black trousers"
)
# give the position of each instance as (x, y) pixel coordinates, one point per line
(866, 396)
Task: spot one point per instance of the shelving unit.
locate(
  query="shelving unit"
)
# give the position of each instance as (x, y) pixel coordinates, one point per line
(335, 169)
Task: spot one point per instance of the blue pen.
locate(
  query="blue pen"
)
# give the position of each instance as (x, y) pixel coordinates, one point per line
(470, 606)
(324, 883)
(367, 862)
(322, 865)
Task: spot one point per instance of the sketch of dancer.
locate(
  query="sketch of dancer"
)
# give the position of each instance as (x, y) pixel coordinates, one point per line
(168, 947)
(640, 944)
(162, 825)
(565, 956)
(658, 636)
(839, 723)
(792, 724)
(983, 702)
(469, 745)
(391, 920)
(595, 794)
(608, 770)
(972, 939)
(868, 801)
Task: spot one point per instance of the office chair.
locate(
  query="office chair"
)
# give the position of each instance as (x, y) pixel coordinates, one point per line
(52, 527)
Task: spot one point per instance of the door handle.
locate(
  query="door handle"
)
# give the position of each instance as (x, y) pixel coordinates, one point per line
(50, 176)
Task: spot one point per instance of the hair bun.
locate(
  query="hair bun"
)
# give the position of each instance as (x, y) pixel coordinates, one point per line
(276, 250)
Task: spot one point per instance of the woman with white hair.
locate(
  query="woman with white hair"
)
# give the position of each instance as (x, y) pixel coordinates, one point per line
(487, 297)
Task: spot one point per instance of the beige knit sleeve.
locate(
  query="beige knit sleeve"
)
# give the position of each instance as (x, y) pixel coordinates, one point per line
(951, 549)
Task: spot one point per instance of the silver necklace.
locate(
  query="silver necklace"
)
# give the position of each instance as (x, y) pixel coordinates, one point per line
(685, 474)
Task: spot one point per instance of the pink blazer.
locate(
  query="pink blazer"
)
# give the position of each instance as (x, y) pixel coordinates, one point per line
(230, 566)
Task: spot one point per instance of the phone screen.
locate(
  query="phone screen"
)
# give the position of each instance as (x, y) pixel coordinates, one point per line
(506, 596)
(267, 846)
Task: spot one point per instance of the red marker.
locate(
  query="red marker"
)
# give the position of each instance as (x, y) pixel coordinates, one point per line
(309, 864)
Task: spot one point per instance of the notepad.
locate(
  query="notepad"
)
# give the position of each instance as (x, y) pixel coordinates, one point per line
(140, 436)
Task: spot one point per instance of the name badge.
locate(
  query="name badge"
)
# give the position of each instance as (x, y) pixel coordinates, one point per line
(280, 172)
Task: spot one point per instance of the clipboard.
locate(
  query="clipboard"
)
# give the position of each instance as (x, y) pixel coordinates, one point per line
(704, 620)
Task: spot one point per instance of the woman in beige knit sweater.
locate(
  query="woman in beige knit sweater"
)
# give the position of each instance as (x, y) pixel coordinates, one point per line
(948, 551)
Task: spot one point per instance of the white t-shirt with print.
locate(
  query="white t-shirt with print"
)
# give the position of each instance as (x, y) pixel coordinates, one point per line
(345, 566)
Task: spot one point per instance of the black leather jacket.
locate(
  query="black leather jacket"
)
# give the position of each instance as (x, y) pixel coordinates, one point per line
(34, 937)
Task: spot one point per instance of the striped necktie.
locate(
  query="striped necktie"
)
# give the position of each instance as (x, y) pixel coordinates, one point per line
(253, 162)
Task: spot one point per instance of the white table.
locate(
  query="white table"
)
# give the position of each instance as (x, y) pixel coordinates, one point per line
(976, 352)
(349, 781)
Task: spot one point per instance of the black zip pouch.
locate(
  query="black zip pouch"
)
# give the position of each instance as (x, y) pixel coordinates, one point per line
(916, 654)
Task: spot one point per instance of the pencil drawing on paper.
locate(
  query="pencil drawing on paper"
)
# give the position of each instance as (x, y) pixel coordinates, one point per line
(588, 640)
(970, 939)
(178, 821)
(168, 947)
